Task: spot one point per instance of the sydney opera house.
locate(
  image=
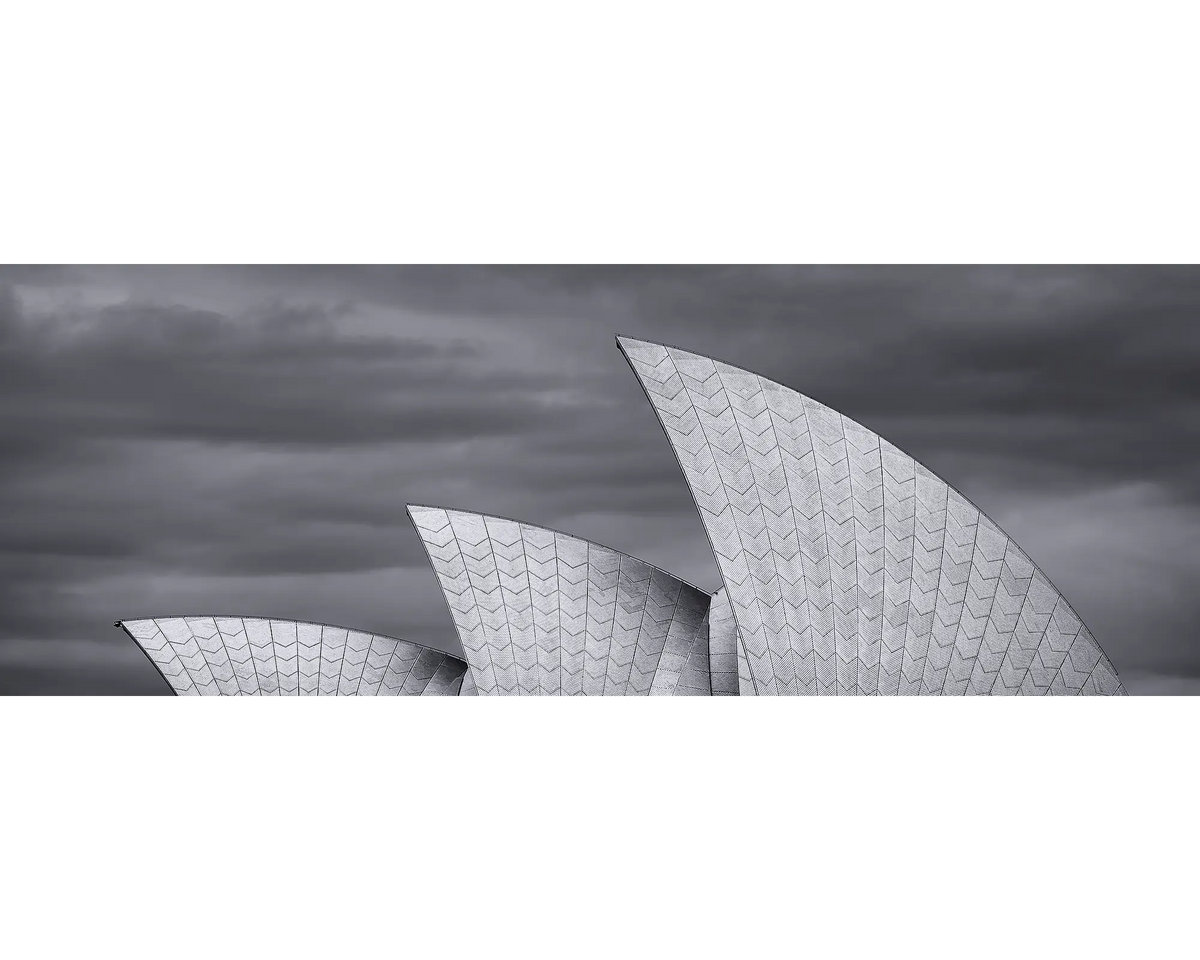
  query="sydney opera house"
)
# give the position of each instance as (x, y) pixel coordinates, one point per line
(848, 568)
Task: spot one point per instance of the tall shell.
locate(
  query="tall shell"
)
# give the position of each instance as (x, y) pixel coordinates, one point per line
(851, 568)
(541, 612)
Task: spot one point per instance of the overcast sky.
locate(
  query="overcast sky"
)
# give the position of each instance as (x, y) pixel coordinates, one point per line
(205, 440)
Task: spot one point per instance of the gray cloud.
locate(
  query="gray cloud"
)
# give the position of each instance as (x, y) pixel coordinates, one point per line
(1088, 369)
(91, 377)
(244, 439)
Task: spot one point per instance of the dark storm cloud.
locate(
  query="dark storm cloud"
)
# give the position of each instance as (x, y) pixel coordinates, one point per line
(244, 439)
(1055, 371)
(162, 371)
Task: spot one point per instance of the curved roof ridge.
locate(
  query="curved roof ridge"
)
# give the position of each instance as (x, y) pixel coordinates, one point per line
(834, 410)
(207, 662)
(623, 342)
(562, 533)
(259, 616)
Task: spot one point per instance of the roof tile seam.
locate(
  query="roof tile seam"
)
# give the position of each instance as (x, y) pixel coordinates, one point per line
(184, 669)
(512, 650)
(791, 629)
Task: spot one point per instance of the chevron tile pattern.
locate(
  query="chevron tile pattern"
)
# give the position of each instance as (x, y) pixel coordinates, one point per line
(543, 613)
(850, 568)
(247, 656)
